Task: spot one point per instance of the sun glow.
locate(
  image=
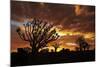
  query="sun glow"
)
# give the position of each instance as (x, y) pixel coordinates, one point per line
(50, 49)
(59, 49)
(89, 35)
(61, 33)
(71, 33)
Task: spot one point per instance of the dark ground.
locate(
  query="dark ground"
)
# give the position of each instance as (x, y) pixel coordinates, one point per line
(23, 59)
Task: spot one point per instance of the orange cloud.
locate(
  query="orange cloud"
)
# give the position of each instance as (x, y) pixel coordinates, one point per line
(77, 10)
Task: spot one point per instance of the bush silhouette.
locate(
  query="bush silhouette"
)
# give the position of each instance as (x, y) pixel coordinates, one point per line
(56, 46)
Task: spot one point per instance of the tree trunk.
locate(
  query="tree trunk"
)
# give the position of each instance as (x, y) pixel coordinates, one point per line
(80, 48)
(84, 48)
(55, 49)
(34, 50)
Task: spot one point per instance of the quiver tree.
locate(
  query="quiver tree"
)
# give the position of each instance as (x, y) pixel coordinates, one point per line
(38, 33)
(83, 45)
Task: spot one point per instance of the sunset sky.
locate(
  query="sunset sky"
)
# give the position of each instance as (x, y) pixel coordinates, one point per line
(70, 21)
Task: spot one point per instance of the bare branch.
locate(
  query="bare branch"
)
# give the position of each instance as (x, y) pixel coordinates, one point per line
(38, 33)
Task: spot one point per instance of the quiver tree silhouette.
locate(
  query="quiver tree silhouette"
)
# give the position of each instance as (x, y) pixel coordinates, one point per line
(38, 33)
(56, 46)
(83, 45)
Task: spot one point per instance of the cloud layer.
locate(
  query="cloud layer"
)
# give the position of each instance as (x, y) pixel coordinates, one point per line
(67, 18)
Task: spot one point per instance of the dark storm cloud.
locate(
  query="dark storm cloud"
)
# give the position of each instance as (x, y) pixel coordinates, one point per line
(48, 11)
(73, 17)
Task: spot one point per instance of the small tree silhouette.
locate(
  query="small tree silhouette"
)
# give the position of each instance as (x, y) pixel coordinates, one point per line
(38, 33)
(56, 46)
(83, 45)
(86, 46)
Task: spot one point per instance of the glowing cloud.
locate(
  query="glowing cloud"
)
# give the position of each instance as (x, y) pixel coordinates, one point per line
(77, 10)
(73, 44)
